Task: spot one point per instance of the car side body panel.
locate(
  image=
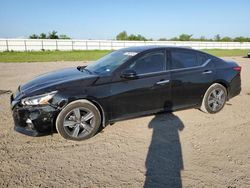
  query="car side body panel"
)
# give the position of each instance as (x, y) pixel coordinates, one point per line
(120, 98)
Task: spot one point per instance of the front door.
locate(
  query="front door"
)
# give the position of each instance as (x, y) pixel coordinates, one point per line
(148, 92)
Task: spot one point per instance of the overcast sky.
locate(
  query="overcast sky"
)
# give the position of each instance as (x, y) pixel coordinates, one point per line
(104, 19)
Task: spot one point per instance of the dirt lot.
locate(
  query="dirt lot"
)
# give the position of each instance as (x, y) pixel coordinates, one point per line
(187, 148)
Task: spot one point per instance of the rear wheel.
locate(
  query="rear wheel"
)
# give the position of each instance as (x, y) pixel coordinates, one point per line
(214, 99)
(79, 120)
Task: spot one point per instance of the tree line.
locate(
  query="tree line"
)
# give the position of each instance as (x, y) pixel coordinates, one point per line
(50, 35)
(133, 37)
(183, 37)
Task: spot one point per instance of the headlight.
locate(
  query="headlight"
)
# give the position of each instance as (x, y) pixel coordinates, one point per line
(39, 99)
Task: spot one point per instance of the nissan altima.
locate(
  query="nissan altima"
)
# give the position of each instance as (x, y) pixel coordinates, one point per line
(77, 102)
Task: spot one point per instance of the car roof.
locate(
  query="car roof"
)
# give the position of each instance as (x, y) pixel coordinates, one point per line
(151, 47)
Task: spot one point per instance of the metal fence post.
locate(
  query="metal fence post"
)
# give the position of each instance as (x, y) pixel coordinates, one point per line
(7, 45)
(25, 46)
(72, 45)
(42, 44)
(56, 45)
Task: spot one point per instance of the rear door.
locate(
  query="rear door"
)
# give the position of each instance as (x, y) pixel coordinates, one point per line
(149, 92)
(192, 73)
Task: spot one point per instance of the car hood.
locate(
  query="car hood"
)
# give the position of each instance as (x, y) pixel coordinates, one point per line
(61, 78)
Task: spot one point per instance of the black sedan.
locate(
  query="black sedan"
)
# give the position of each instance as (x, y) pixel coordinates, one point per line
(127, 83)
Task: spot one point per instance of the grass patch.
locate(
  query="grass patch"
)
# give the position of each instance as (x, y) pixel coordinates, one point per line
(227, 53)
(88, 55)
(43, 56)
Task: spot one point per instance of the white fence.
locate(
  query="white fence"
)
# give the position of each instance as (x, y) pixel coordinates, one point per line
(52, 44)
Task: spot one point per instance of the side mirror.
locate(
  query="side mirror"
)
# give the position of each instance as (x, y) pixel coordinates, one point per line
(129, 74)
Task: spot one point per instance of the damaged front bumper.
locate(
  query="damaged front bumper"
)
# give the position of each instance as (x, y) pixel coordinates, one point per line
(33, 120)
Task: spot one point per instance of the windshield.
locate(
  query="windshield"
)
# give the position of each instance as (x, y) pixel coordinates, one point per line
(110, 62)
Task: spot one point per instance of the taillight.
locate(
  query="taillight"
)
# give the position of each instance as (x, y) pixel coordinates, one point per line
(237, 68)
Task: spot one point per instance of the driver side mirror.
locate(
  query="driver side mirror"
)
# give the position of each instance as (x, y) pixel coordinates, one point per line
(129, 74)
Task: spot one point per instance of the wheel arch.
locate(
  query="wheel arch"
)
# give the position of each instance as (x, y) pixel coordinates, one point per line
(222, 82)
(97, 105)
(101, 110)
(205, 97)
(92, 100)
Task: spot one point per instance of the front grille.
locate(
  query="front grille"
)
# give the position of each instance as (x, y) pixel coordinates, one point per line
(20, 117)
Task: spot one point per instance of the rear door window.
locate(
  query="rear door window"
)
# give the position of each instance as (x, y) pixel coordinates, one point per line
(183, 59)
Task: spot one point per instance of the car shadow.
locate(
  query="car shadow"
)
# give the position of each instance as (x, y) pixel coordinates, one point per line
(164, 159)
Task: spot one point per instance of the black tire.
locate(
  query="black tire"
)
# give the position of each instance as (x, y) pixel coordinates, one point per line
(81, 105)
(207, 106)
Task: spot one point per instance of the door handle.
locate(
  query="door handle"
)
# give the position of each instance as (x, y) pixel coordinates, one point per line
(162, 82)
(207, 72)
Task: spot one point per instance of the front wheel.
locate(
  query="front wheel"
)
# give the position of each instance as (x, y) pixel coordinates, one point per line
(79, 120)
(214, 99)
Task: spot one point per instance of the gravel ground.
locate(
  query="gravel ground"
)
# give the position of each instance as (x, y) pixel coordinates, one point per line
(187, 148)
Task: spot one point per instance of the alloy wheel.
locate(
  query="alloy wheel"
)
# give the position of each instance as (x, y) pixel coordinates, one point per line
(79, 122)
(216, 99)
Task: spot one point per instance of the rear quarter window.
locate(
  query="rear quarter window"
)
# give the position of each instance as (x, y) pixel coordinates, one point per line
(202, 58)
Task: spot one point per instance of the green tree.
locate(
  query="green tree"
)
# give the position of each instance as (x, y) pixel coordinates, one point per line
(122, 36)
(64, 37)
(174, 39)
(132, 37)
(140, 37)
(33, 36)
(217, 37)
(241, 39)
(162, 39)
(53, 35)
(42, 36)
(136, 37)
(185, 37)
(227, 39)
(202, 38)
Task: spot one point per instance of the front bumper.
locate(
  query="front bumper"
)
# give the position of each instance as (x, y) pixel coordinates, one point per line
(33, 120)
